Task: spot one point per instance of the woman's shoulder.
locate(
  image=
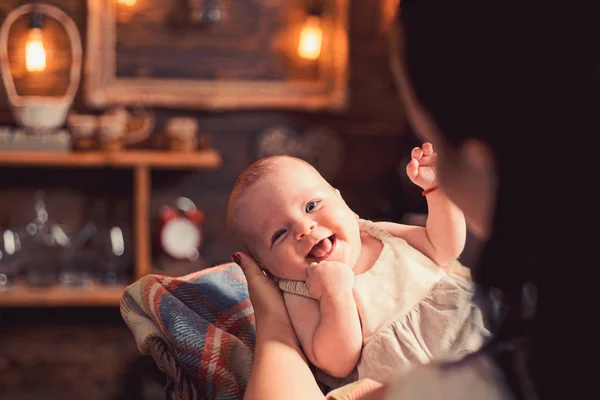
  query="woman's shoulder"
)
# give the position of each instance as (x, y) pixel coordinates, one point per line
(475, 377)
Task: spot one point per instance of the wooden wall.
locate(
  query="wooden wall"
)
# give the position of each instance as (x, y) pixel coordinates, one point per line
(33, 365)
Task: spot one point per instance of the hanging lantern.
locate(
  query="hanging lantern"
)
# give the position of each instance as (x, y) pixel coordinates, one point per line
(40, 114)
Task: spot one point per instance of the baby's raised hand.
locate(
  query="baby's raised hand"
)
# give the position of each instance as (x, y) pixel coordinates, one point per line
(329, 278)
(421, 169)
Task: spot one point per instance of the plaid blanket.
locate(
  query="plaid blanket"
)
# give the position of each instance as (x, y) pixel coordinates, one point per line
(206, 318)
(207, 321)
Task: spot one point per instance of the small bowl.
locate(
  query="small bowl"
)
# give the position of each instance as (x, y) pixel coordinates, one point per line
(112, 126)
(181, 128)
(82, 126)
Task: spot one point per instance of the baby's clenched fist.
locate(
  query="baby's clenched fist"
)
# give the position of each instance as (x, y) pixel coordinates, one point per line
(422, 166)
(329, 278)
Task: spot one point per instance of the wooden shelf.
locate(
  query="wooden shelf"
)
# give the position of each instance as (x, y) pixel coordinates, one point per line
(91, 295)
(208, 158)
(142, 162)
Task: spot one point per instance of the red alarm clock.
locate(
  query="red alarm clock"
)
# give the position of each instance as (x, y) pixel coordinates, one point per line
(180, 232)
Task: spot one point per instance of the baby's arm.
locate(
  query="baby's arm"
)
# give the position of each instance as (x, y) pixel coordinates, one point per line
(444, 235)
(329, 330)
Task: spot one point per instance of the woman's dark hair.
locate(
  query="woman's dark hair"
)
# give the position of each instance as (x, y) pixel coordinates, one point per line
(480, 69)
(475, 69)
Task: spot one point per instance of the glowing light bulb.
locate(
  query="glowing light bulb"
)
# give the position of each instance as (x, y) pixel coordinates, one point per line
(129, 3)
(35, 53)
(311, 38)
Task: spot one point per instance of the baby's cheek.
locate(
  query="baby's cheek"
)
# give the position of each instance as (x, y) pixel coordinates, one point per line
(284, 260)
(341, 220)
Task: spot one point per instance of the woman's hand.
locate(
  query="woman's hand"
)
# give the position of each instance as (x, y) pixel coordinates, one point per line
(267, 300)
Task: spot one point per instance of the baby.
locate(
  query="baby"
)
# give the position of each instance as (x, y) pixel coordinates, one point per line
(364, 297)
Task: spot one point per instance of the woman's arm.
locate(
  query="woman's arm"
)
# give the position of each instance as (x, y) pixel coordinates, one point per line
(280, 370)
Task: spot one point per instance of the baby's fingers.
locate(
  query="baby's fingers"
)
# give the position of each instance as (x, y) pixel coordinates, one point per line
(417, 153)
(427, 149)
(312, 268)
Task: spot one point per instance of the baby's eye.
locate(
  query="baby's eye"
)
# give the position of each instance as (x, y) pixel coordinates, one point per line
(277, 235)
(310, 206)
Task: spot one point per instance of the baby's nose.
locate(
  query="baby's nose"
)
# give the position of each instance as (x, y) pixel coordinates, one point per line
(304, 227)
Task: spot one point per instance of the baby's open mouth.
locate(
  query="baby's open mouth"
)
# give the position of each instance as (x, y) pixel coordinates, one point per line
(322, 249)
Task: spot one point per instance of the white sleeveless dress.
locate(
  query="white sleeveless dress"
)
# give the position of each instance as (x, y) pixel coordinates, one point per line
(410, 309)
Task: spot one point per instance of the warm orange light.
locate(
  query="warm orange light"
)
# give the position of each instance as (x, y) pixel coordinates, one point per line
(35, 53)
(311, 38)
(128, 3)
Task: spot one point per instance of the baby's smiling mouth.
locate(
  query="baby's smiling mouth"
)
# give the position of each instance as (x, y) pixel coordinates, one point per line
(322, 249)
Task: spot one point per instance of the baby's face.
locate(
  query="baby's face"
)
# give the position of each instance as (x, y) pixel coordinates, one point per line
(292, 217)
